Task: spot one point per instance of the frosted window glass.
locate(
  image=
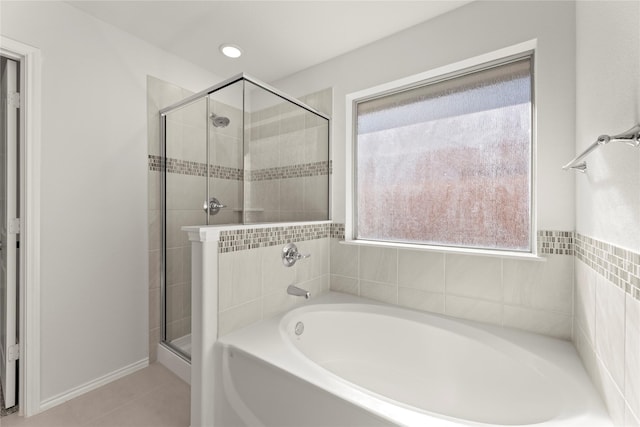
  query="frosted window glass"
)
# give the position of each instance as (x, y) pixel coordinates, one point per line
(448, 163)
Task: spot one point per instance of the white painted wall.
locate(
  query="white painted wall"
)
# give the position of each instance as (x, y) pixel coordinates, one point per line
(471, 30)
(94, 188)
(608, 102)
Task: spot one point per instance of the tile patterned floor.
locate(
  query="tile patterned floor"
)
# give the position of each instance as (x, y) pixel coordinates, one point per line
(151, 397)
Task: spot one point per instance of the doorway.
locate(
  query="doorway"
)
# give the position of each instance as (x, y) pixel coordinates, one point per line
(22, 226)
(9, 230)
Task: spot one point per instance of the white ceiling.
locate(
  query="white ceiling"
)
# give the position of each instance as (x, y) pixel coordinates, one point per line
(278, 38)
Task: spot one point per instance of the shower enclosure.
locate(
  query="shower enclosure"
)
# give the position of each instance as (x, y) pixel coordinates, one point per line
(240, 152)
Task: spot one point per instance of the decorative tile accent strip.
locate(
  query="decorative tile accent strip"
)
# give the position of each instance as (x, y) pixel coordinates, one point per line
(555, 242)
(292, 171)
(184, 167)
(223, 172)
(619, 266)
(239, 240)
(337, 231)
(155, 163)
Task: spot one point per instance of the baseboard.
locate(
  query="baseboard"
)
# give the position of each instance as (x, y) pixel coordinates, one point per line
(92, 385)
(174, 363)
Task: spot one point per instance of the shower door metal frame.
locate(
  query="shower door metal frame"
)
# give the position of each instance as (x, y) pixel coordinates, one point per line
(163, 199)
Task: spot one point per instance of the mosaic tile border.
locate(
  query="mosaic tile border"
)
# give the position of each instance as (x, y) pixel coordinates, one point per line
(239, 240)
(184, 167)
(291, 171)
(619, 266)
(155, 163)
(337, 231)
(551, 242)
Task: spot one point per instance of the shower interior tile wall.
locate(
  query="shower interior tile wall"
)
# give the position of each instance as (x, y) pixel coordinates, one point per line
(226, 160)
(285, 157)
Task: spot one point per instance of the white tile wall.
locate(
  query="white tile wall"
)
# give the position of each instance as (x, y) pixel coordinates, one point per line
(610, 318)
(421, 300)
(421, 270)
(541, 285)
(632, 355)
(607, 336)
(585, 301)
(474, 277)
(252, 283)
(531, 295)
(383, 292)
(542, 322)
(378, 265)
(473, 309)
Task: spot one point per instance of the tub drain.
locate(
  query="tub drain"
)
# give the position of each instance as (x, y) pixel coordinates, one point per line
(299, 328)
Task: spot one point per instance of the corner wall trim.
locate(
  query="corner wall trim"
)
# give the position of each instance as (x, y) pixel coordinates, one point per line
(94, 384)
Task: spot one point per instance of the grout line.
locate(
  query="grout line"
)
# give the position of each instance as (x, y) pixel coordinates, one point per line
(502, 302)
(444, 277)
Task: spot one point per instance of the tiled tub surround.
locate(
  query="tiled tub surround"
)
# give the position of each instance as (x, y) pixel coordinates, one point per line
(235, 288)
(607, 323)
(532, 295)
(252, 280)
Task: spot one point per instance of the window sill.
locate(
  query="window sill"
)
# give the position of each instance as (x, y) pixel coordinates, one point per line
(447, 250)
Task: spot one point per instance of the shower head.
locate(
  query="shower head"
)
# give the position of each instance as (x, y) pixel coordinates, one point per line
(219, 121)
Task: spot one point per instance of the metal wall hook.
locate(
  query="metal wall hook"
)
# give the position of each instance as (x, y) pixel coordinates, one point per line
(290, 254)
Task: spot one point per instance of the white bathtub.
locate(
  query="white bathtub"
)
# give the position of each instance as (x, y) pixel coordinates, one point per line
(360, 363)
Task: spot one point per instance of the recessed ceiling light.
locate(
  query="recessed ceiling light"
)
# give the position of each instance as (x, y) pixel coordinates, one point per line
(230, 50)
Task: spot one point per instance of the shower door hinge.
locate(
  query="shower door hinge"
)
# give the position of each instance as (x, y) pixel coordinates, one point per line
(15, 226)
(13, 99)
(14, 352)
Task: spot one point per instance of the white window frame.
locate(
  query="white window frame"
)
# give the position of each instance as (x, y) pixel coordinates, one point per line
(521, 49)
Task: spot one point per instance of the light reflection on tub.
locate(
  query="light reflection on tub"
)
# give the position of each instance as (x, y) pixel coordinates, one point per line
(363, 363)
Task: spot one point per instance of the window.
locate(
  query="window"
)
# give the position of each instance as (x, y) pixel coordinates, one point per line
(447, 162)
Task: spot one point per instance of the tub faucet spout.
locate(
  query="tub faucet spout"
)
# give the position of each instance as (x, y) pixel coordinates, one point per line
(296, 291)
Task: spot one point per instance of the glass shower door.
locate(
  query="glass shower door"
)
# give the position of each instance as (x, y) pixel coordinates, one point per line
(185, 191)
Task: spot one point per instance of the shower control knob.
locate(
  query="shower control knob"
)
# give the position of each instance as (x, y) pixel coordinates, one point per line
(290, 255)
(213, 206)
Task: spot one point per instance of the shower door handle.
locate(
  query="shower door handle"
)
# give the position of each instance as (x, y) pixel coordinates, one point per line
(212, 206)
